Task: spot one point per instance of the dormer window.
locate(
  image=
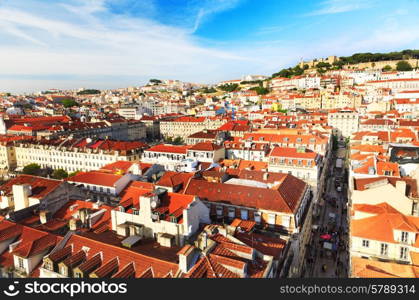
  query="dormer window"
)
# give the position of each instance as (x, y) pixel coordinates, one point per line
(48, 265)
(63, 270)
(20, 263)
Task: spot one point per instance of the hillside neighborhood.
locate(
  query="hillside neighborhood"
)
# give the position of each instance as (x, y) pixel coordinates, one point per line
(311, 172)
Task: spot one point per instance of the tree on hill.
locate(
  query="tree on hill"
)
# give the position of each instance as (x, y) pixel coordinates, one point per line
(229, 87)
(323, 65)
(207, 90)
(59, 174)
(387, 68)
(155, 81)
(286, 73)
(69, 103)
(31, 169)
(338, 64)
(89, 92)
(404, 66)
(260, 90)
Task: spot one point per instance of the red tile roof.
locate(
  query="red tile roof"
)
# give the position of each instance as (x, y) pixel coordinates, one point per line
(365, 268)
(285, 198)
(293, 153)
(95, 178)
(205, 147)
(173, 179)
(41, 187)
(36, 246)
(109, 252)
(169, 149)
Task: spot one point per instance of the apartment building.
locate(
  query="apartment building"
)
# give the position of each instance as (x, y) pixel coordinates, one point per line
(182, 126)
(381, 232)
(170, 156)
(76, 154)
(344, 122)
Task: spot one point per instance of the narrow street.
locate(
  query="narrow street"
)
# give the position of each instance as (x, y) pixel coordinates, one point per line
(329, 256)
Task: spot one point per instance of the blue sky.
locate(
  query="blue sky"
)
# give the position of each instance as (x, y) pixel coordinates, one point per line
(118, 43)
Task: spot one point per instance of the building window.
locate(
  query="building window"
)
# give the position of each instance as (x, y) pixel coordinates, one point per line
(77, 275)
(20, 263)
(48, 266)
(219, 210)
(244, 214)
(384, 249)
(231, 212)
(405, 237)
(257, 216)
(415, 209)
(271, 219)
(286, 221)
(365, 243)
(403, 253)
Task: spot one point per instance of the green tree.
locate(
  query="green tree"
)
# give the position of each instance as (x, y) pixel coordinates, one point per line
(229, 87)
(32, 169)
(155, 81)
(260, 90)
(339, 64)
(178, 141)
(387, 68)
(297, 71)
(207, 90)
(404, 66)
(286, 73)
(323, 65)
(69, 103)
(89, 92)
(59, 174)
(73, 173)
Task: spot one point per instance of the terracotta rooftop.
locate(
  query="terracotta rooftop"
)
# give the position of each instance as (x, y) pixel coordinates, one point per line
(364, 268)
(40, 186)
(285, 198)
(95, 178)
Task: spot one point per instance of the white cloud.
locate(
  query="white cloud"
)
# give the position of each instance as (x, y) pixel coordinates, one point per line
(83, 43)
(207, 8)
(329, 7)
(110, 45)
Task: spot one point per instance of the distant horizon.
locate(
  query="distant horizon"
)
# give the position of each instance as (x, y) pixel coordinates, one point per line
(110, 44)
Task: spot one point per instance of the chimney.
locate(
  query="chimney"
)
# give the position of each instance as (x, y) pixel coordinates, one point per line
(21, 194)
(44, 216)
(401, 186)
(73, 224)
(186, 255)
(265, 176)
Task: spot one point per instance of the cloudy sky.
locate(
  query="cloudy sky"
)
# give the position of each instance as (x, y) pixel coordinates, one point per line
(117, 43)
